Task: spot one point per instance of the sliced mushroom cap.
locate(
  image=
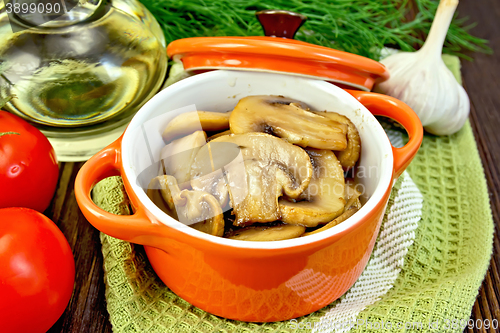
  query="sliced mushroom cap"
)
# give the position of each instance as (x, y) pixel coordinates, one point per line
(352, 195)
(323, 200)
(345, 215)
(288, 119)
(267, 234)
(177, 157)
(267, 168)
(210, 167)
(210, 227)
(349, 156)
(190, 122)
(196, 208)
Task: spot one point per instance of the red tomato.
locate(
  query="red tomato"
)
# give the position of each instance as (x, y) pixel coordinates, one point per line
(28, 165)
(37, 271)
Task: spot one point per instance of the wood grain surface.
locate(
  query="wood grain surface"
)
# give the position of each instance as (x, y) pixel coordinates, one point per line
(482, 82)
(86, 311)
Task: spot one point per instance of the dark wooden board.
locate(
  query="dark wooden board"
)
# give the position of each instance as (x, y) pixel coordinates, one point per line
(86, 311)
(482, 81)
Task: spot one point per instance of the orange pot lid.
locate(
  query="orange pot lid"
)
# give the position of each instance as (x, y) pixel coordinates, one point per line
(275, 54)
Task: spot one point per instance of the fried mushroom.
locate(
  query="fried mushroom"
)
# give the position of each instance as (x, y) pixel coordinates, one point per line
(349, 156)
(352, 195)
(177, 157)
(268, 233)
(323, 199)
(198, 209)
(287, 119)
(344, 216)
(189, 122)
(268, 167)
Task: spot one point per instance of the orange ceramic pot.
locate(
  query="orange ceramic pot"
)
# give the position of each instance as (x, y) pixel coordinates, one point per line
(251, 281)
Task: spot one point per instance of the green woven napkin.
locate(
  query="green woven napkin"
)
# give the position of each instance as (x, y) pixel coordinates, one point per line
(438, 281)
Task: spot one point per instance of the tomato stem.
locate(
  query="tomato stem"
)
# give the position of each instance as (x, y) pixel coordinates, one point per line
(9, 133)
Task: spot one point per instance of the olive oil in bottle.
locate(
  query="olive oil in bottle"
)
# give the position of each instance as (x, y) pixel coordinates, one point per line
(85, 71)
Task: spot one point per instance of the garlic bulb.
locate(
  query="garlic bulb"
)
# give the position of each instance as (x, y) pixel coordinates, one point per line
(422, 80)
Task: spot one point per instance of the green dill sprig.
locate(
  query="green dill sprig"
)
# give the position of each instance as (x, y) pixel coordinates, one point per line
(361, 27)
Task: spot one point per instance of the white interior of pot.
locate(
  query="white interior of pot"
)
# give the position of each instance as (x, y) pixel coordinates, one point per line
(220, 91)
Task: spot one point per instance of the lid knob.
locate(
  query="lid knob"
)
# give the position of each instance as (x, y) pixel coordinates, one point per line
(280, 23)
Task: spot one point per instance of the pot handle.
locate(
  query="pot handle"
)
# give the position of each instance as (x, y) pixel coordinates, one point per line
(383, 105)
(135, 228)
